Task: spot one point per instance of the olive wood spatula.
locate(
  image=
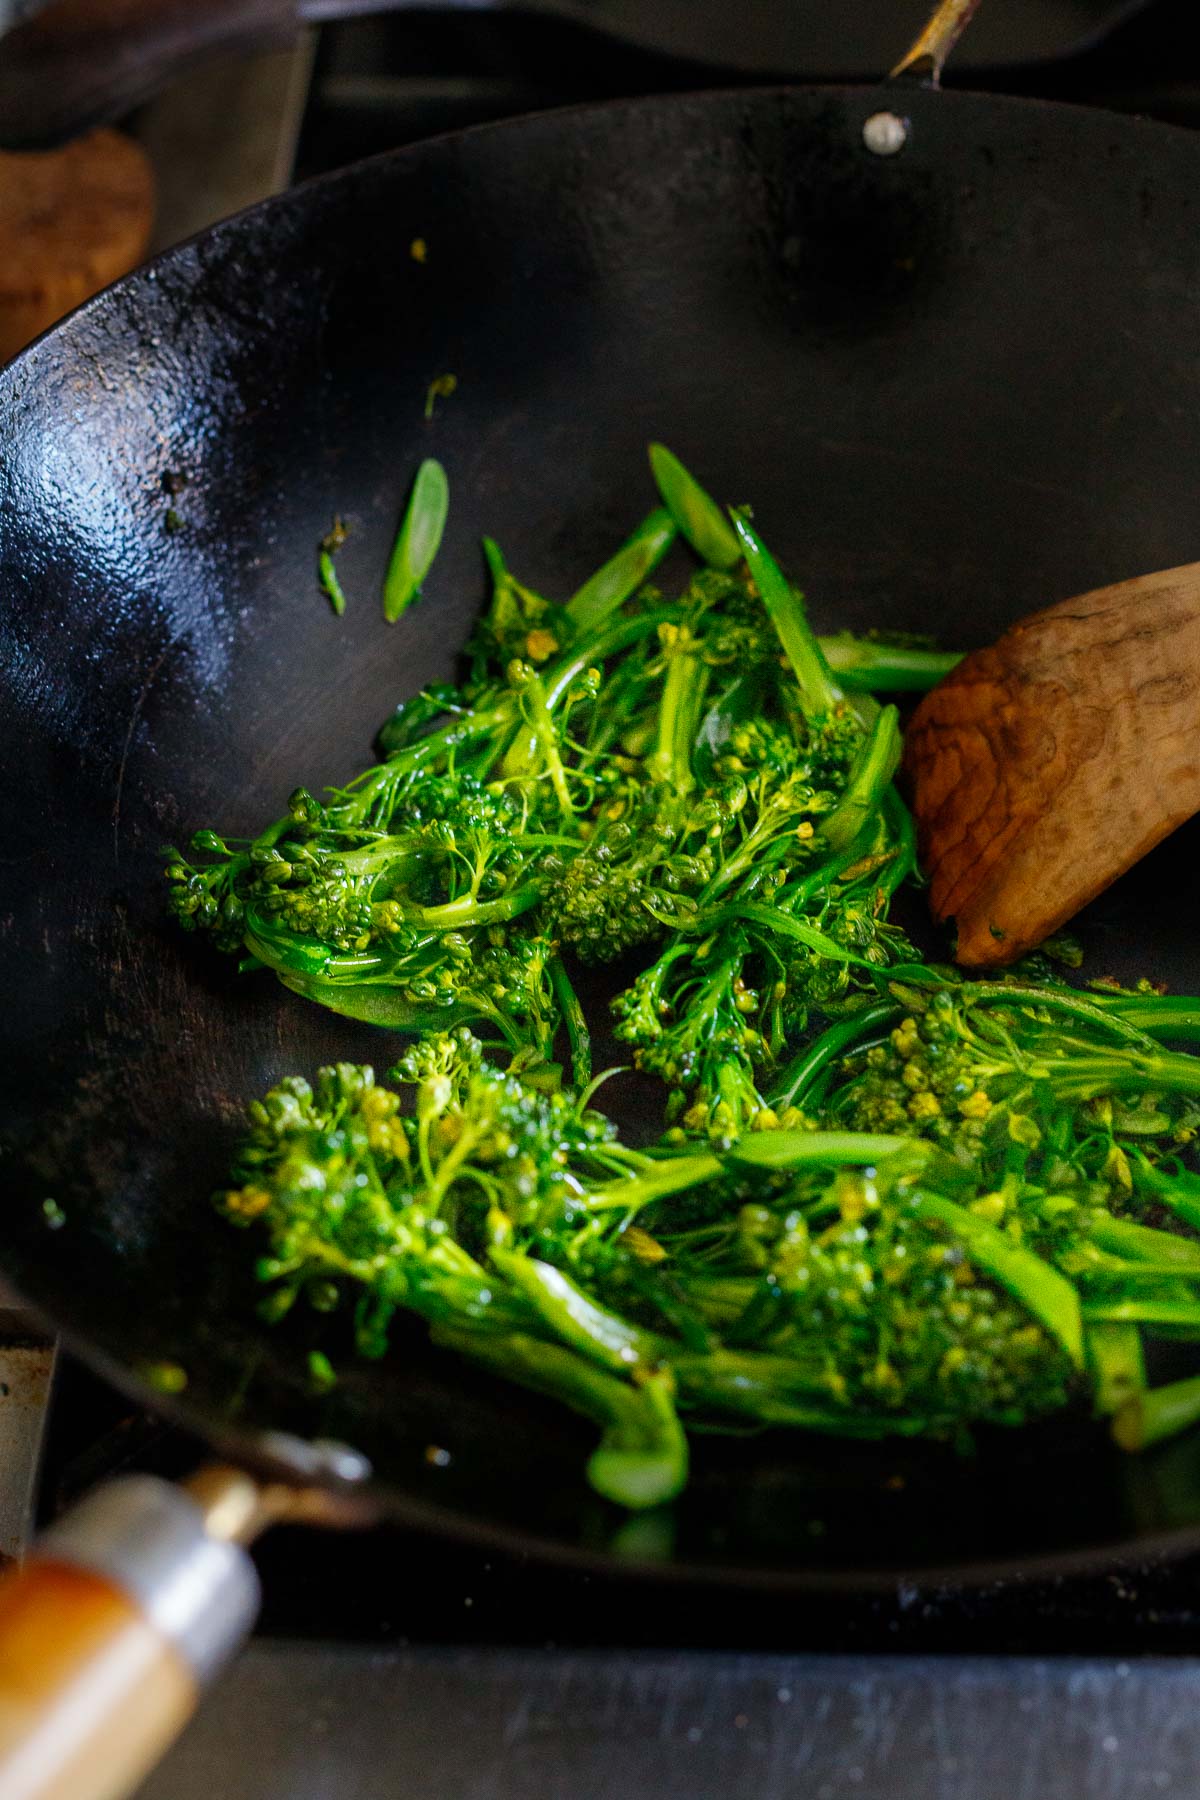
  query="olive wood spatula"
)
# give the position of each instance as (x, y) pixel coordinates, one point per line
(1043, 767)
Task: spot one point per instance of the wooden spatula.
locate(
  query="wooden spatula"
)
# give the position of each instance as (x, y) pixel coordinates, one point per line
(1044, 767)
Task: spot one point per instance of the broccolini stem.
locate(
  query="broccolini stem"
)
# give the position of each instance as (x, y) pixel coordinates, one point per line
(1041, 1289)
(762, 1387)
(1117, 1366)
(642, 1460)
(1174, 1017)
(578, 1035)
(1148, 1310)
(560, 676)
(456, 915)
(819, 692)
(559, 679)
(1141, 1242)
(1157, 1413)
(861, 664)
(682, 696)
(821, 1149)
(1180, 1190)
(771, 919)
(1083, 1078)
(1060, 1000)
(603, 1336)
(671, 1176)
(545, 738)
(695, 512)
(874, 766)
(621, 577)
(798, 1079)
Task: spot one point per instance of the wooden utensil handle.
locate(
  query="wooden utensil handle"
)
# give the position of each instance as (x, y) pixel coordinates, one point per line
(90, 1693)
(926, 57)
(107, 1636)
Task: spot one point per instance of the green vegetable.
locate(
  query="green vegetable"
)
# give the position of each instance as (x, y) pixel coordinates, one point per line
(621, 577)
(330, 582)
(419, 538)
(697, 515)
(1157, 1414)
(890, 1201)
(819, 692)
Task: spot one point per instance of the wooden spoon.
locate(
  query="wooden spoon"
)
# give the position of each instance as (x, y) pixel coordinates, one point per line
(71, 220)
(1044, 767)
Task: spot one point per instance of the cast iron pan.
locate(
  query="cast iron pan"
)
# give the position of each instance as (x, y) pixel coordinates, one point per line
(956, 383)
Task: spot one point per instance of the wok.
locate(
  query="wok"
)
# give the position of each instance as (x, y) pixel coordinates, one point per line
(957, 381)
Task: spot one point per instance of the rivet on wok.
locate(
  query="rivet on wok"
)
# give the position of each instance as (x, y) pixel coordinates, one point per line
(884, 133)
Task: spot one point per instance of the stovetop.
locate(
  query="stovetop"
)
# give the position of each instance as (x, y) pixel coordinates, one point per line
(392, 1662)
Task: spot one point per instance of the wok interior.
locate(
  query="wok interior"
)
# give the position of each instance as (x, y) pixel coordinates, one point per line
(955, 385)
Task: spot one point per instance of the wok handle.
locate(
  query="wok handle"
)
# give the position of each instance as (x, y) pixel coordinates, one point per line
(926, 58)
(108, 1634)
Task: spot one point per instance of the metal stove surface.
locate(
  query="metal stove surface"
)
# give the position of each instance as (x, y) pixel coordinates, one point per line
(388, 1662)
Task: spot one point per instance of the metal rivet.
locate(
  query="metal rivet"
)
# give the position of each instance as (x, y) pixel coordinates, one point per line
(884, 133)
(321, 1460)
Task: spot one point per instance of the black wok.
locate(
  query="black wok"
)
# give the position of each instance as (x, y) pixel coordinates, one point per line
(956, 382)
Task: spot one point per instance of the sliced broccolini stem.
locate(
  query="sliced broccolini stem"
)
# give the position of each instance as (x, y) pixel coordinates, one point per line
(642, 1460)
(1180, 1190)
(1117, 1366)
(577, 1319)
(578, 1035)
(1158, 1413)
(696, 513)
(874, 766)
(819, 692)
(1146, 1310)
(621, 577)
(858, 1032)
(772, 919)
(776, 1390)
(867, 666)
(1175, 1017)
(419, 538)
(822, 1149)
(682, 699)
(1123, 1237)
(1041, 1289)
(655, 1182)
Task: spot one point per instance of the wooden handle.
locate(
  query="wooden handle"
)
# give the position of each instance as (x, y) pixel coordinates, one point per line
(71, 221)
(108, 1634)
(91, 1694)
(927, 57)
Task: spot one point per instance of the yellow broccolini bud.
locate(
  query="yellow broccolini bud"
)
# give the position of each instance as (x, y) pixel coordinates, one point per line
(924, 1106)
